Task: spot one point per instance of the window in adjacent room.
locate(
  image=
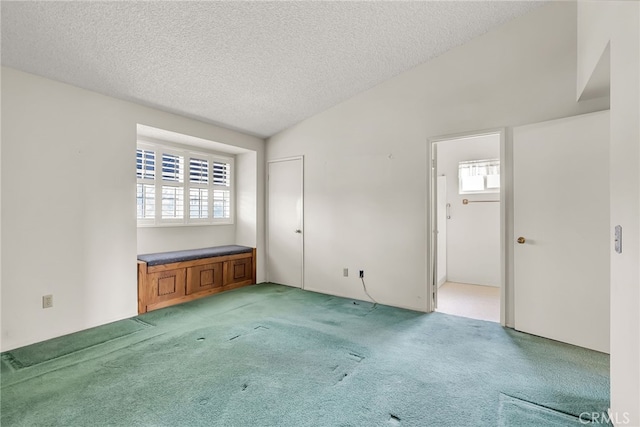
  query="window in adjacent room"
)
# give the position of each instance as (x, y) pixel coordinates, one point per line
(479, 176)
(182, 187)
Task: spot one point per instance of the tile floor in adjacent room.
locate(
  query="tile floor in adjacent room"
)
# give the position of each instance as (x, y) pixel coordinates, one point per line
(472, 301)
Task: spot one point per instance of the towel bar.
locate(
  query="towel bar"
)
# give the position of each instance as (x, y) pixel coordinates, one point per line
(467, 201)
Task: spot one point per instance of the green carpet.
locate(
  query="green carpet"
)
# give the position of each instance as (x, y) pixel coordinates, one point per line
(516, 412)
(269, 355)
(61, 346)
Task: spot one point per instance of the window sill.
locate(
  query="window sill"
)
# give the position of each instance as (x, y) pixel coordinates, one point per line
(196, 224)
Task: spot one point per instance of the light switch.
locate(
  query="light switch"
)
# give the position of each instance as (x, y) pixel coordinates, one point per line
(618, 239)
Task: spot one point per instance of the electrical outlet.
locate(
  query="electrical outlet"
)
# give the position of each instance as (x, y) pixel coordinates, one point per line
(345, 272)
(47, 301)
(362, 274)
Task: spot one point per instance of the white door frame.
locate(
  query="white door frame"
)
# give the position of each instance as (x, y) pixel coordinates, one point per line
(431, 240)
(286, 159)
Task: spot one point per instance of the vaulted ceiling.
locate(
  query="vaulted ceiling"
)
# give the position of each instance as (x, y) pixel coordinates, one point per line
(257, 67)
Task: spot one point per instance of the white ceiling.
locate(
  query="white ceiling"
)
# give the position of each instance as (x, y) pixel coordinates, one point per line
(258, 67)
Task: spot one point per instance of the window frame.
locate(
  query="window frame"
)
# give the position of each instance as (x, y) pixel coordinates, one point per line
(481, 163)
(187, 153)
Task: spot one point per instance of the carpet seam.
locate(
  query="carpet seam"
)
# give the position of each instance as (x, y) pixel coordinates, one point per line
(72, 364)
(22, 366)
(569, 414)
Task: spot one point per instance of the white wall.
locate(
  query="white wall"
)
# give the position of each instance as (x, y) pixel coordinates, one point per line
(365, 159)
(162, 239)
(246, 202)
(473, 231)
(618, 22)
(68, 218)
(1, 274)
(250, 214)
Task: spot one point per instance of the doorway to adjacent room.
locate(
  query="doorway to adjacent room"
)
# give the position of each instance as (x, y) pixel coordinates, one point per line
(467, 222)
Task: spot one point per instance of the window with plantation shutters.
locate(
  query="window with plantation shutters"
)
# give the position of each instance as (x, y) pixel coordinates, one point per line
(199, 188)
(145, 164)
(146, 193)
(181, 187)
(221, 174)
(221, 190)
(172, 179)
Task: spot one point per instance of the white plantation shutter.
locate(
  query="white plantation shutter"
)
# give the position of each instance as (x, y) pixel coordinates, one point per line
(146, 201)
(172, 190)
(221, 203)
(172, 202)
(145, 164)
(198, 203)
(199, 188)
(172, 167)
(198, 171)
(180, 187)
(221, 192)
(145, 188)
(221, 174)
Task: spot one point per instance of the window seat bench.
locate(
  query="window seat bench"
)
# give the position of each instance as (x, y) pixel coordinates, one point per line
(169, 278)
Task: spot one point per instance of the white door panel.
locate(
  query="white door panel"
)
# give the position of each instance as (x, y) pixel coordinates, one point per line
(561, 209)
(285, 222)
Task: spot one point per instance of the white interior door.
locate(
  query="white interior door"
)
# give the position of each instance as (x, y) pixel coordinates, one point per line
(441, 225)
(561, 209)
(285, 222)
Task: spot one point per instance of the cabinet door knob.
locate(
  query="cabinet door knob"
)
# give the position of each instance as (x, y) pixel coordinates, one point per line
(298, 231)
(521, 240)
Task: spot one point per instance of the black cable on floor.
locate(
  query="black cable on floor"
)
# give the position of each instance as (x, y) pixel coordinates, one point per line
(366, 292)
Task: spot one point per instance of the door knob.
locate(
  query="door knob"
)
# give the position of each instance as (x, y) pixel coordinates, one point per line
(521, 240)
(298, 231)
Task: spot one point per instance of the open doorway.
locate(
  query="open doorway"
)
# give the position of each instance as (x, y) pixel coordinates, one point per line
(467, 219)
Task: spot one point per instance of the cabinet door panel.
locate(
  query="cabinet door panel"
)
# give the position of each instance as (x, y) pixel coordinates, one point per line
(204, 277)
(166, 285)
(239, 270)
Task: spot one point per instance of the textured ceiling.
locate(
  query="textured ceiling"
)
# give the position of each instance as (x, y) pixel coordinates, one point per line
(259, 67)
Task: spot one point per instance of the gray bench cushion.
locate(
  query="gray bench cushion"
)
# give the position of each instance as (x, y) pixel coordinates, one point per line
(177, 256)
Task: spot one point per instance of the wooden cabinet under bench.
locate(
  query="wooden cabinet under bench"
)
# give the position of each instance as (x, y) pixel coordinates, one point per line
(170, 278)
